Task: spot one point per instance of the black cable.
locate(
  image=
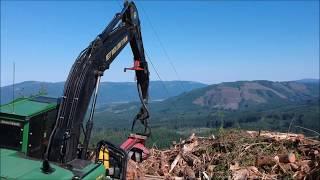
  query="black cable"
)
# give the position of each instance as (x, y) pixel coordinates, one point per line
(165, 87)
(164, 50)
(153, 66)
(166, 54)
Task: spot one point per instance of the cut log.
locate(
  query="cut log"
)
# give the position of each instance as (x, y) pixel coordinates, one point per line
(164, 165)
(174, 163)
(265, 160)
(287, 158)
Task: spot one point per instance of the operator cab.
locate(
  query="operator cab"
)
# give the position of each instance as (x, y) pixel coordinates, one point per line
(26, 124)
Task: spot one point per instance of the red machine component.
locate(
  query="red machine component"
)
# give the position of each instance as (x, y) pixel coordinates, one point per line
(136, 144)
(136, 66)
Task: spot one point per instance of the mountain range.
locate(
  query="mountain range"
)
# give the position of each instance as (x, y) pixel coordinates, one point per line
(109, 92)
(257, 104)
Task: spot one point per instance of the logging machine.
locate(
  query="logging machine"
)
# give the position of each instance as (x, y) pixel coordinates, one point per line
(44, 138)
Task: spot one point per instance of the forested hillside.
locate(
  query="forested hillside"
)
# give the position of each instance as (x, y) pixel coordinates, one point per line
(245, 104)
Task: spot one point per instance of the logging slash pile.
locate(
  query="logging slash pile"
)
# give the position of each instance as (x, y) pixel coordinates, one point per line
(236, 155)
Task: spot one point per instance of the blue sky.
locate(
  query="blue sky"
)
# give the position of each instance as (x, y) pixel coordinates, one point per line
(207, 41)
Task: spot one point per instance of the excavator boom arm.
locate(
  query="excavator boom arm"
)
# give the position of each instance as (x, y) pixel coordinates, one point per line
(84, 76)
